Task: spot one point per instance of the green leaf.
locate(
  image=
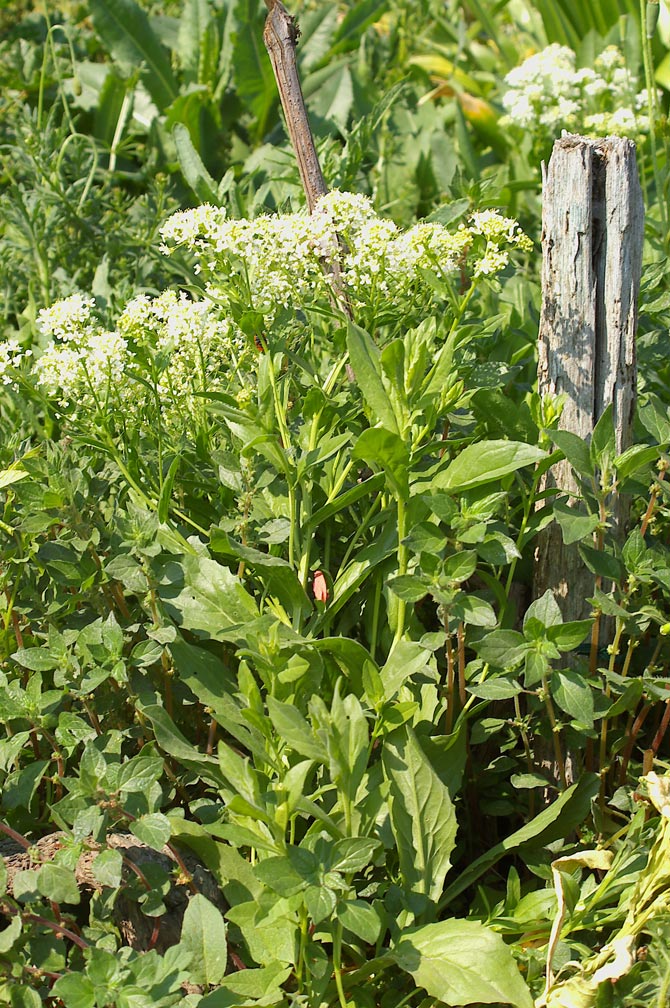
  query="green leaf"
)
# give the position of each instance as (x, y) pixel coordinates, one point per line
(387, 451)
(360, 918)
(293, 729)
(462, 962)
(203, 934)
(364, 357)
(107, 868)
(554, 823)
(602, 439)
(485, 462)
(254, 79)
(125, 31)
(203, 595)
(195, 173)
(152, 829)
(75, 991)
(9, 935)
(573, 696)
(576, 452)
(422, 815)
(9, 476)
(545, 610)
(568, 636)
(58, 883)
(504, 649)
(602, 563)
(168, 483)
(352, 854)
(355, 21)
(574, 525)
(37, 659)
(139, 773)
(634, 459)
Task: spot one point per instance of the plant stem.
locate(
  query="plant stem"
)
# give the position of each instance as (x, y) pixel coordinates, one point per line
(402, 569)
(337, 964)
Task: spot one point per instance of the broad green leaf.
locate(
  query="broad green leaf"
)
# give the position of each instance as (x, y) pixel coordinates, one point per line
(634, 459)
(152, 829)
(573, 696)
(575, 450)
(126, 32)
(352, 854)
(486, 462)
(171, 740)
(364, 357)
(462, 962)
(568, 636)
(107, 868)
(602, 440)
(422, 815)
(203, 595)
(545, 610)
(58, 883)
(9, 934)
(139, 773)
(203, 934)
(407, 658)
(361, 918)
(9, 476)
(504, 649)
(37, 659)
(574, 525)
(387, 451)
(254, 79)
(75, 990)
(601, 562)
(279, 578)
(262, 985)
(460, 566)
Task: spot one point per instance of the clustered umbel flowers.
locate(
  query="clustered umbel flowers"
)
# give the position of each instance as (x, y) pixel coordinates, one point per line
(167, 351)
(284, 259)
(548, 92)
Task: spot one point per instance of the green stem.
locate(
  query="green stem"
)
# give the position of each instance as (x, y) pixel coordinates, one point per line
(337, 964)
(402, 569)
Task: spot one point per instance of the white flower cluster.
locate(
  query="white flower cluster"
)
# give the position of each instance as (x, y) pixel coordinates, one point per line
(177, 346)
(285, 259)
(547, 92)
(193, 348)
(83, 363)
(11, 355)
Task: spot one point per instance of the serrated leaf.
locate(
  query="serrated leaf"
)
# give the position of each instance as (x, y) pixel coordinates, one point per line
(203, 934)
(195, 173)
(462, 962)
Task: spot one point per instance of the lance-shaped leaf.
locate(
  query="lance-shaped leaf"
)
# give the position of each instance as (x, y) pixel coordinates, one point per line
(422, 815)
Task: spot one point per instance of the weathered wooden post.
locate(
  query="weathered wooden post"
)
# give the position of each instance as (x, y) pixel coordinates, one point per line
(592, 231)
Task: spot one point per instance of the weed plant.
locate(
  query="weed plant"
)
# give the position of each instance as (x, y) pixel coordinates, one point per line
(271, 486)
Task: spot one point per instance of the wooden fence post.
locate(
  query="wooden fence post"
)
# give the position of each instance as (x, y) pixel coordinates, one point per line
(592, 231)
